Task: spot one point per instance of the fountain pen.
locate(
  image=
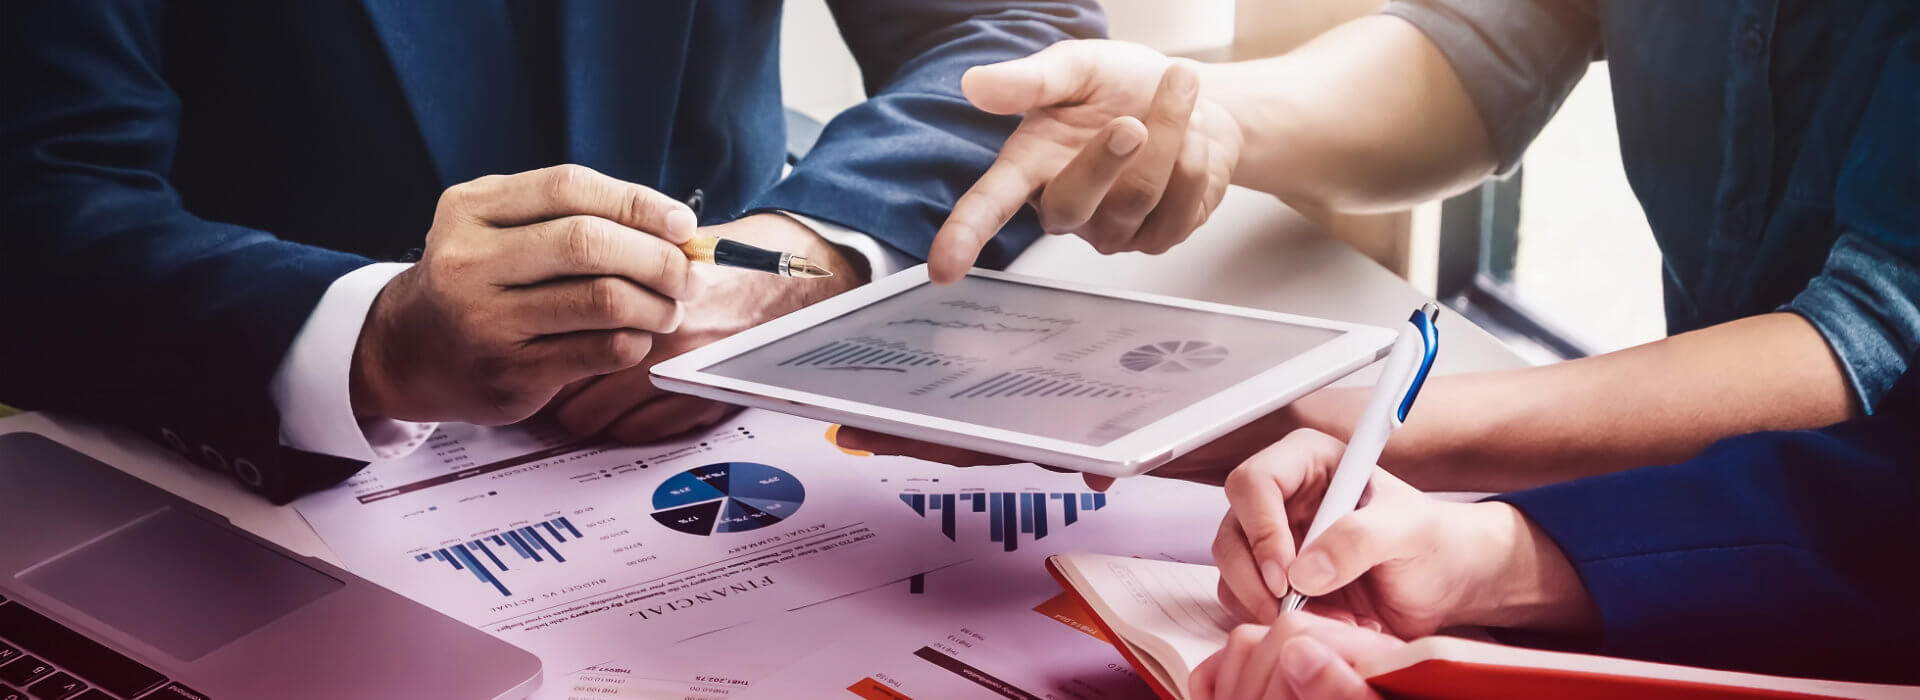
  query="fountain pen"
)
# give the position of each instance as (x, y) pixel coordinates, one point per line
(725, 252)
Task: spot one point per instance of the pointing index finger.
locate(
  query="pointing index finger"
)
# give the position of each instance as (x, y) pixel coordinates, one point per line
(976, 217)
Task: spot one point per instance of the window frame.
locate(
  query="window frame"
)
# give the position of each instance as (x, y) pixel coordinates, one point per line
(1479, 240)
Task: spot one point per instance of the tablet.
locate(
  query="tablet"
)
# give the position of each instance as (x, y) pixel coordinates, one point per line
(1103, 381)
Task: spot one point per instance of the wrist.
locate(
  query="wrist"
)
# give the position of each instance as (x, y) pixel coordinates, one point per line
(1225, 85)
(370, 381)
(1223, 101)
(1524, 580)
(1435, 450)
(1263, 120)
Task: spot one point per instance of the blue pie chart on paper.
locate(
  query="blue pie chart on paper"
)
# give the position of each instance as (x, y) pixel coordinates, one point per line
(727, 497)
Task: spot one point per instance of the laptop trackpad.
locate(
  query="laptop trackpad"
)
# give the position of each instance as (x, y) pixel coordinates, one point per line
(179, 583)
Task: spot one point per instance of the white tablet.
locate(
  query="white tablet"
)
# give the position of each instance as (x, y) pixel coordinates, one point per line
(1104, 381)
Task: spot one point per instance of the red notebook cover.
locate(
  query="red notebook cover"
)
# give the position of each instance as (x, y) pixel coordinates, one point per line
(1443, 679)
(1452, 679)
(1107, 630)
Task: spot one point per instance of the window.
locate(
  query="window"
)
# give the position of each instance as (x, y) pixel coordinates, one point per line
(1557, 259)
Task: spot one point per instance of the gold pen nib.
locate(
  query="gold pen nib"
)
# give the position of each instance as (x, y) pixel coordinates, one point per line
(801, 267)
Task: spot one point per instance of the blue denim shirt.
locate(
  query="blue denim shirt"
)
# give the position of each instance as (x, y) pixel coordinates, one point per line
(1772, 144)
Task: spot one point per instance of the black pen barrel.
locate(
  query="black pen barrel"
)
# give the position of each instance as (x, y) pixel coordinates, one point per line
(736, 254)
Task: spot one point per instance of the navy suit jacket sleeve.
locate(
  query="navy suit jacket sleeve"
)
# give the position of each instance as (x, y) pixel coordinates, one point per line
(1788, 553)
(893, 166)
(115, 301)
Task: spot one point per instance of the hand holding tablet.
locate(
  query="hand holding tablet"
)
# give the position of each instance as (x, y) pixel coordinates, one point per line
(1208, 464)
(1106, 382)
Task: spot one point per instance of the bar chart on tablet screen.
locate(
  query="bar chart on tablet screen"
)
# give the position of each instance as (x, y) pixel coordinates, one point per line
(872, 354)
(1041, 382)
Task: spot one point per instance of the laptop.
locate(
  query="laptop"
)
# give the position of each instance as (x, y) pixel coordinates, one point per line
(111, 588)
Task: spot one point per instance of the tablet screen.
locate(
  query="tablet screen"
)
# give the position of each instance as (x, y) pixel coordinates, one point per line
(1067, 365)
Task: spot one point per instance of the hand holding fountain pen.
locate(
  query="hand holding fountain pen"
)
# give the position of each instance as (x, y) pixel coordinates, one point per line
(731, 253)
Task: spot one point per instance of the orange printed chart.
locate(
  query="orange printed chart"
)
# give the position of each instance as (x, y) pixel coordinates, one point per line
(833, 438)
(870, 689)
(1067, 611)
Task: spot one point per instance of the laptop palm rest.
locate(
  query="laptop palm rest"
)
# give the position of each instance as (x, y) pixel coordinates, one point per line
(175, 587)
(196, 586)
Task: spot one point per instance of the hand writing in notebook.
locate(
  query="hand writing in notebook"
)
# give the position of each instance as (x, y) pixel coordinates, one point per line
(1403, 561)
(1301, 656)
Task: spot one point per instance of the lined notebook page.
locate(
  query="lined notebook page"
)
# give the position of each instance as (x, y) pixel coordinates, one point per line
(1166, 609)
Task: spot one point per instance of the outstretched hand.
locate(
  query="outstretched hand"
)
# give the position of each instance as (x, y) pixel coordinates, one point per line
(1119, 145)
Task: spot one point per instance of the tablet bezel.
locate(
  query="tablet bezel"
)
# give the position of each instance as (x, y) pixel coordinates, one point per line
(1134, 453)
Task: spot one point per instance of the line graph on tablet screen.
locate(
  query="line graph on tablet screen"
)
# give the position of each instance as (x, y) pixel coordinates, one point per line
(995, 310)
(983, 326)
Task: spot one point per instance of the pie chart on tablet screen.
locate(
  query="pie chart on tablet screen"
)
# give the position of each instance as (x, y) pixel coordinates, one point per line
(727, 497)
(1173, 356)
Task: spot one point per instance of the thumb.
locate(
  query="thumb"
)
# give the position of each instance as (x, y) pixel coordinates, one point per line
(1352, 546)
(1055, 75)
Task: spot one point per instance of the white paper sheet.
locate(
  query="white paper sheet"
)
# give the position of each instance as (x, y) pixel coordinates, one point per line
(617, 682)
(999, 619)
(586, 553)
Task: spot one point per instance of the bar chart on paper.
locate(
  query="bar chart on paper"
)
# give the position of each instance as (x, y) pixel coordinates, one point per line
(530, 543)
(1010, 514)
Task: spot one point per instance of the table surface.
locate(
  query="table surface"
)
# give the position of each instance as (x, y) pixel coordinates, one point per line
(1254, 252)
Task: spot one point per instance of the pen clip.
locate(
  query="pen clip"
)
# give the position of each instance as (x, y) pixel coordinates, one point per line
(1425, 322)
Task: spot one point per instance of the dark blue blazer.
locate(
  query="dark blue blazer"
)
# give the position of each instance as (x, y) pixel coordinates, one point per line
(1794, 553)
(184, 180)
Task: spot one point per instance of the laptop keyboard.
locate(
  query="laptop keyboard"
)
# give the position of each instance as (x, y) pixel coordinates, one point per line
(41, 659)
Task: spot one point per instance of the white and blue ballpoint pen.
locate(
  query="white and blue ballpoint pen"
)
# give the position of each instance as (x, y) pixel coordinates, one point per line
(1400, 380)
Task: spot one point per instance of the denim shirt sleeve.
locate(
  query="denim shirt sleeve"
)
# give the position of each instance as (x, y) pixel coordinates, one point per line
(1866, 301)
(1518, 60)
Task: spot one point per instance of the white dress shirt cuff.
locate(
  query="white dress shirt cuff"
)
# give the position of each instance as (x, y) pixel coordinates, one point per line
(882, 259)
(311, 388)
